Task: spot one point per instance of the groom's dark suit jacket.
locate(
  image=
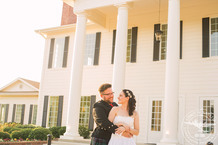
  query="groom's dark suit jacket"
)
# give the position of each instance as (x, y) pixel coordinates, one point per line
(104, 127)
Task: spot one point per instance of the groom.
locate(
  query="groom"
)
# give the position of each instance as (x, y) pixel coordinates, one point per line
(101, 109)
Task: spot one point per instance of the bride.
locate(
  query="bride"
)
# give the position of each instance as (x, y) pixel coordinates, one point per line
(126, 116)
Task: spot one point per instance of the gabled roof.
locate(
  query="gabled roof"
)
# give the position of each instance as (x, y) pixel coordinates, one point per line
(32, 84)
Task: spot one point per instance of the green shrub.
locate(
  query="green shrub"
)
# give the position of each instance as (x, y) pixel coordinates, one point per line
(55, 131)
(14, 129)
(4, 135)
(39, 133)
(25, 133)
(26, 126)
(7, 129)
(16, 134)
(84, 132)
(62, 130)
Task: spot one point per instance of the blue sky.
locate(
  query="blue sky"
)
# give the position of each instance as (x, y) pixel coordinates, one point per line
(21, 49)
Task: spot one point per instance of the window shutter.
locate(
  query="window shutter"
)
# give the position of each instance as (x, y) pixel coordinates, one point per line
(45, 108)
(113, 46)
(30, 114)
(51, 52)
(156, 44)
(14, 110)
(22, 114)
(134, 44)
(205, 37)
(60, 108)
(6, 113)
(181, 29)
(66, 47)
(97, 48)
(91, 120)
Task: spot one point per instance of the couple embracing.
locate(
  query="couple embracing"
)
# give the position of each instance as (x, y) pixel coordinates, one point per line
(116, 125)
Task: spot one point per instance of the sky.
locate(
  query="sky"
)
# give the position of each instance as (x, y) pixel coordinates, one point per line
(21, 48)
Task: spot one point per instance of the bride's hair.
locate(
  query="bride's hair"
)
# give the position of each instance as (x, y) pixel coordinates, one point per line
(132, 101)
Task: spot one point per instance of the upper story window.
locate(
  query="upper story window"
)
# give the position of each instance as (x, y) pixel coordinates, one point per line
(131, 49)
(92, 49)
(214, 37)
(58, 52)
(163, 47)
(160, 47)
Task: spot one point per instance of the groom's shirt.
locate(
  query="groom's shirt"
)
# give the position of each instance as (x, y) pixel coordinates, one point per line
(104, 127)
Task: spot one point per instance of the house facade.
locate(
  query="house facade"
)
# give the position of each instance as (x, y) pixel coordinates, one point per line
(175, 80)
(19, 101)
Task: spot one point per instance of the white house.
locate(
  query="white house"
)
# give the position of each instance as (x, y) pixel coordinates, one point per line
(19, 101)
(175, 79)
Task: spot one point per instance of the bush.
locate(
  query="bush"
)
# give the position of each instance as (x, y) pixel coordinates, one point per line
(62, 130)
(26, 126)
(39, 134)
(13, 129)
(84, 132)
(7, 129)
(25, 133)
(16, 134)
(55, 131)
(4, 135)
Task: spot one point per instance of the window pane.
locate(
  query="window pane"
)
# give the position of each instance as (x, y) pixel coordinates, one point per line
(156, 116)
(208, 116)
(2, 113)
(18, 113)
(163, 42)
(59, 52)
(84, 111)
(214, 37)
(53, 111)
(129, 43)
(89, 49)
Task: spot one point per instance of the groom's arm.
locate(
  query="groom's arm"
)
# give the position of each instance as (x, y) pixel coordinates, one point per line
(101, 119)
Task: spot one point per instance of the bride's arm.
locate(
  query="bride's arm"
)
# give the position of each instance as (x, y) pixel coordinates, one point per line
(135, 131)
(112, 114)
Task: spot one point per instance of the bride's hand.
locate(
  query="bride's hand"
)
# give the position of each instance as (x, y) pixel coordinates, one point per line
(126, 126)
(120, 130)
(127, 134)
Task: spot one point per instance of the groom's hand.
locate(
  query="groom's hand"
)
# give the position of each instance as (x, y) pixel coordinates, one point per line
(127, 134)
(120, 130)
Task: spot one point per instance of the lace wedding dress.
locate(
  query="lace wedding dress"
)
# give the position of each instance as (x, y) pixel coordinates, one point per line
(117, 139)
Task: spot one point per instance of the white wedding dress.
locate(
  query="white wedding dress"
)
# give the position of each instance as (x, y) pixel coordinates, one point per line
(117, 139)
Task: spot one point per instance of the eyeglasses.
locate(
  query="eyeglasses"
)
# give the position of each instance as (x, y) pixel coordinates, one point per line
(108, 94)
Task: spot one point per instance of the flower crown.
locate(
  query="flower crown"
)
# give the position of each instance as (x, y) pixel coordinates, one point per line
(128, 93)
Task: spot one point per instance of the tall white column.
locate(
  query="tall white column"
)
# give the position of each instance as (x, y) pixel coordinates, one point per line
(120, 50)
(76, 79)
(170, 122)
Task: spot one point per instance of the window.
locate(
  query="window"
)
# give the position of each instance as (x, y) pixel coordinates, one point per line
(89, 49)
(131, 52)
(2, 113)
(156, 115)
(214, 37)
(129, 42)
(84, 111)
(53, 111)
(208, 116)
(58, 52)
(163, 47)
(34, 114)
(18, 113)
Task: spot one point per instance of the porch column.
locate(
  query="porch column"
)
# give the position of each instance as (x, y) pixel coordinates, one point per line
(72, 123)
(120, 50)
(170, 122)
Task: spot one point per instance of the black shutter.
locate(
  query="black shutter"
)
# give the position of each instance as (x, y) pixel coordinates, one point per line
(156, 44)
(205, 37)
(51, 52)
(66, 46)
(13, 114)
(181, 25)
(134, 44)
(91, 120)
(30, 114)
(60, 108)
(22, 114)
(45, 108)
(97, 48)
(6, 113)
(113, 46)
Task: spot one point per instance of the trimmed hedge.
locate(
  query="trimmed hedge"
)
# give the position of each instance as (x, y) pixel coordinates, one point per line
(4, 135)
(39, 133)
(84, 132)
(16, 134)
